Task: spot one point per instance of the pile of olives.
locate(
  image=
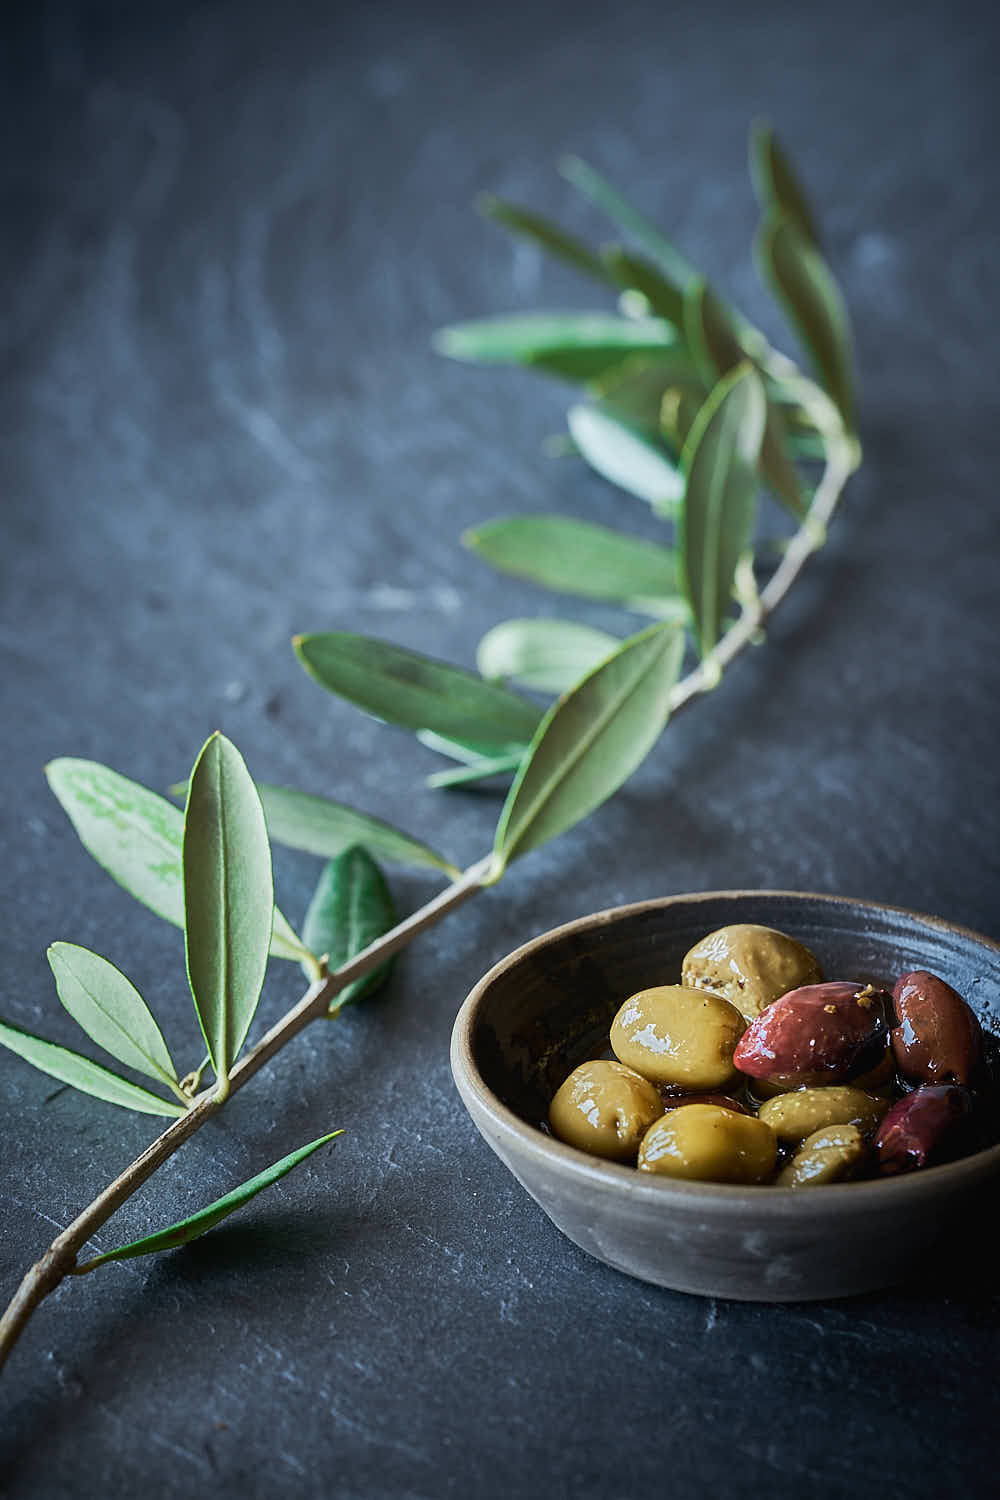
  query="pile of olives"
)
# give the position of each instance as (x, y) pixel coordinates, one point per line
(755, 1070)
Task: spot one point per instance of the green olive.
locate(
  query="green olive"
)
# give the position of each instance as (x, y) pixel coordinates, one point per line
(709, 1144)
(831, 1155)
(795, 1115)
(677, 1035)
(606, 1109)
(749, 965)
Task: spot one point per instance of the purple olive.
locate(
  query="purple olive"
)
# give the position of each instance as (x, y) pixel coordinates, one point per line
(938, 1039)
(819, 1033)
(927, 1126)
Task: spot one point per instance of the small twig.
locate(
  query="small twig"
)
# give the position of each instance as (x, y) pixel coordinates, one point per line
(60, 1258)
(842, 458)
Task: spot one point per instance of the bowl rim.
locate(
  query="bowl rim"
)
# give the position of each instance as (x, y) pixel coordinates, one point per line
(727, 1198)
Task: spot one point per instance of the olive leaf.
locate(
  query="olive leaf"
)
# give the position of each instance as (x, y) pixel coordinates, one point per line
(80, 1073)
(776, 185)
(633, 391)
(350, 908)
(600, 191)
(403, 687)
(318, 825)
(591, 741)
(228, 898)
(714, 342)
(805, 285)
(577, 557)
(716, 522)
(137, 836)
(110, 1010)
(542, 231)
(482, 769)
(546, 656)
(189, 1229)
(633, 273)
(577, 345)
(625, 457)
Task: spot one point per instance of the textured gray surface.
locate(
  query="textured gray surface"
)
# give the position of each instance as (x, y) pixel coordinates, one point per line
(229, 233)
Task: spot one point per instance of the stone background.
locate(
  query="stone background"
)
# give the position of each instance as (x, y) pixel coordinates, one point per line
(229, 233)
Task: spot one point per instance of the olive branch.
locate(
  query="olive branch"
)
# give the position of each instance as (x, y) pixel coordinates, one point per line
(686, 406)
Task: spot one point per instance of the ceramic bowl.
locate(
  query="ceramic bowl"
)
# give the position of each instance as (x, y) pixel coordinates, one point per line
(548, 1006)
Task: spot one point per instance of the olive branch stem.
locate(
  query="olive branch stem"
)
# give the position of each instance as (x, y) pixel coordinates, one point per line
(60, 1259)
(842, 456)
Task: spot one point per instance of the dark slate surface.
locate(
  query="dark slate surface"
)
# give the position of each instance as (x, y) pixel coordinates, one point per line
(229, 232)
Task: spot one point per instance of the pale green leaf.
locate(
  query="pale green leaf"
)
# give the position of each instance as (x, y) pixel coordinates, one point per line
(206, 1218)
(576, 557)
(319, 826)
(543, 232)
(546, 656)
(228, 898)
(778, 190)
(625, 457)
(469, 752)
(351, 907)
(804, 283)
(110, 1010)
(477, 770)
(578, 345)
(80, 1073)
(403, 687)
(716, 521)
(137, 837)
(591, 741)
(600, 191)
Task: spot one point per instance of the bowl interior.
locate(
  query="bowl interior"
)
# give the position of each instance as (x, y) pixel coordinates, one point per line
(549, 1006)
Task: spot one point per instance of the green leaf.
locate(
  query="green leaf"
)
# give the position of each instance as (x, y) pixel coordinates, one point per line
(80, 1073)
(546, 656)
(543, 232)
(804, 283)
(137, 837)
(206, 1218)
(416, 691)
(716, 346)
(591, 741)
(633, 273)
(351, 907)
(469, 752)
(623, 456)
(621, 212)
(110, 1010)
(319, 826)
(776, 185)
(633, 392)
(577, 345)
(575, 557)
(228, 898)
(716, 522)
(477, 770)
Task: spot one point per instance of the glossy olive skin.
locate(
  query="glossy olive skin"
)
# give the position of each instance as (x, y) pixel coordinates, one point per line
(675, 1035)
(707, 1143)
(605, 1109)
(677, 1101)
(938, 1038)
(820, 1033)
(928, 1126)
(749, 966)
(834, 1154)
(795, 1116)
